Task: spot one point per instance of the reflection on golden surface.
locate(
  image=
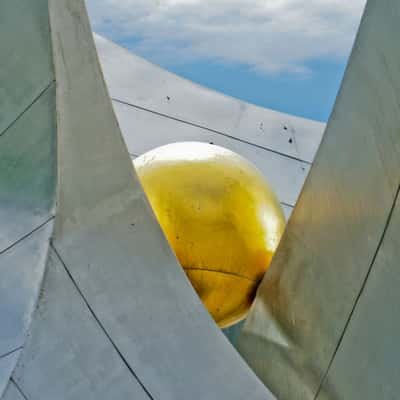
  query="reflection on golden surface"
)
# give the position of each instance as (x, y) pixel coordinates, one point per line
(220, 217)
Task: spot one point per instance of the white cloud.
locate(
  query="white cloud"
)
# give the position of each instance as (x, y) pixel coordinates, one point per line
(270, 36)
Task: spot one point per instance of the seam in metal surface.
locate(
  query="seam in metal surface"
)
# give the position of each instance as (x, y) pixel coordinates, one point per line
(11, 352)
(382, 238)
(26, 235)
(41, 93)
(100, 324)
(287, 204)
(18, 388)
(210, 130)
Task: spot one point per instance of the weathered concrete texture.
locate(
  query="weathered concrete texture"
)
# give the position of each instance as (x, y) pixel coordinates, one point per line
(312, 288)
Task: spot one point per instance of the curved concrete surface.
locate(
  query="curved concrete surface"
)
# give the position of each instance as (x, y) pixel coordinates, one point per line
(116, 317)
(325, 323)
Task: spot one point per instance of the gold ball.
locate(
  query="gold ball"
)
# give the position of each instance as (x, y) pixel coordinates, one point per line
(220, 217)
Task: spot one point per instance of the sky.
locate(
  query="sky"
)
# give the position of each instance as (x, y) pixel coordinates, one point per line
(288, 55)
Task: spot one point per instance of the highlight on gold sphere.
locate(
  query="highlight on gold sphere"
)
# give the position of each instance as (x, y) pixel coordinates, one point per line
(220, 217)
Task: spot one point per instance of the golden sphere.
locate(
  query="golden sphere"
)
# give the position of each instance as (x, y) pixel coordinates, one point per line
(220, 217)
